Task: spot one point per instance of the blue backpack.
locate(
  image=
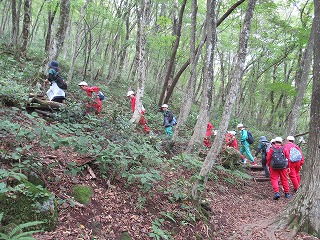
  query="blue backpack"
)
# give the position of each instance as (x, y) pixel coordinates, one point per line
(174, 121)
(101, 96)
(295, 155)
(250, 139)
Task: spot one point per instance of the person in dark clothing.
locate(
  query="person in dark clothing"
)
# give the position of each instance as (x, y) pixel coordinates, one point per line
(262, 147)
(167, 119)
(54, 93)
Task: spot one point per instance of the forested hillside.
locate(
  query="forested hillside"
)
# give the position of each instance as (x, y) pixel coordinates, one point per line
(82, 167)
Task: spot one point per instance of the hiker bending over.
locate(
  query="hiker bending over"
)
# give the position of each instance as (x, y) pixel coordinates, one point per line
(244, 145)
(278, 165)
(142, 120)
(296, 159)
(94, 103)
(55, 93)
(262, 147)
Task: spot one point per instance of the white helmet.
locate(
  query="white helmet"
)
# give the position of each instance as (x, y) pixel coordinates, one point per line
(130, 93)
(290, 138)
(278, 139)
(240, 125)
(83, 84)
(164, 106)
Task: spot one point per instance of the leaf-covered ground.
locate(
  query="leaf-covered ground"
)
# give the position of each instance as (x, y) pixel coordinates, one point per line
(235, 208)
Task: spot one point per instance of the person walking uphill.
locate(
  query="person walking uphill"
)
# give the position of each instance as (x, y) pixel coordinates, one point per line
(244, 145)
(296, 159)
(55, 93)
(142, 120)
(206, 139)
(262, 147)
(94, 103)
(167, 119)
(278, 164)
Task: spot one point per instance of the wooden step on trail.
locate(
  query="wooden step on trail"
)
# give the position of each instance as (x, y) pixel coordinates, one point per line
(256, 167)
(261, 179)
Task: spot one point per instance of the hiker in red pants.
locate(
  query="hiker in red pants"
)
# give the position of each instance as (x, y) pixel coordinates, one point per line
(95, 103)
(296, 159)
(279, 170)
(142, 120)
(206, 139)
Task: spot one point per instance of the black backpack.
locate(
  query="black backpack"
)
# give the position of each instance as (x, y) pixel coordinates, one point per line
(60, 81)
(250, 138)
(278, 159)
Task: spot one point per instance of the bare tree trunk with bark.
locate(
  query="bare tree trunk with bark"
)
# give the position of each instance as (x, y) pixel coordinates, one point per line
(143, 19)
(230, 101)
(206, 100)
(26, 27)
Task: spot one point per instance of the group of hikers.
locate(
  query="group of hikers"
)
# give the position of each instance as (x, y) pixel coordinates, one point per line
(95, 96)
(278, 160)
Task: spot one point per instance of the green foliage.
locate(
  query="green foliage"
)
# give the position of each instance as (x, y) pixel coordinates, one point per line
(82, 194)
(12, 93)
(158, 233)
(178, 190)
(18, 232)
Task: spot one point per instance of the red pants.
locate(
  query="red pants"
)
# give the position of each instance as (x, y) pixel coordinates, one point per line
(96, 107)
(294, 174)
(274, 177)
(206, 141)
(143, 123)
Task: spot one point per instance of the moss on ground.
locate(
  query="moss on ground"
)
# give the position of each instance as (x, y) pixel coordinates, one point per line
(82, 194)
(29, 203)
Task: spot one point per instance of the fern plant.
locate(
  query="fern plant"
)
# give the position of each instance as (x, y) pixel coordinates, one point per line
(18, 233)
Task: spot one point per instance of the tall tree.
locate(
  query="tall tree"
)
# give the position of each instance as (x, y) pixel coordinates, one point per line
(143, 21)
(58, 40)
(230, 101)
(206, 100)
(26, 27)
(173, 54)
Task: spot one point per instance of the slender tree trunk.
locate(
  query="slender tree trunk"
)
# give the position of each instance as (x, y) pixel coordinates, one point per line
(230, 101)
(206, 101)
(173, 55)
(61, 32)
(51, 16)
(36, 22)
(5, 17)
(302, 83)
(143, 19)
(26, 27)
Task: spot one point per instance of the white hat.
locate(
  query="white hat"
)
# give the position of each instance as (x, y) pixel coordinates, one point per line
(164, 106)
(278, 139)
(240, 125)
(272, 140)
(83, 84)
(290, 138)
(130, 93)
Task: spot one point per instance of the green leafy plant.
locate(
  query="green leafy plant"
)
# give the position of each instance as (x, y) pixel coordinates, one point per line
(18, 232)
(158, 233)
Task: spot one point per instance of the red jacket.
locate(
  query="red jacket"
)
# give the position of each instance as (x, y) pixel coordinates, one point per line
(133, 105)
(269, 153)
(209, 129)
(287, 148)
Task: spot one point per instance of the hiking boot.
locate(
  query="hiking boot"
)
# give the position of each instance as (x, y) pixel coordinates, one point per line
(244, 161)
(276, 196)
(287, 195)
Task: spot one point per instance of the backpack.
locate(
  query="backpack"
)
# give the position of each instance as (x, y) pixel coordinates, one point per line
(278, 159)
(60, 81)
(174, 121)
(295, 155)
(250, 138)
(101, 96)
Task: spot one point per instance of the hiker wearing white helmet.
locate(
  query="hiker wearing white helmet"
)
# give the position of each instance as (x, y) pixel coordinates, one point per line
(296, 159)
(142, 121)
(244, 145)
(94, 104)
(167, 119)
(278, 164)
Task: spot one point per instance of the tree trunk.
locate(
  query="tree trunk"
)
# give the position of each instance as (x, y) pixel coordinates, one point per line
(26, 27)
(36, 22)
(61, 32)
(189, 92)
(230, 101)
(143, 19)
(302, 83)
(173, 55)
(206, 100)
(51, 16)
